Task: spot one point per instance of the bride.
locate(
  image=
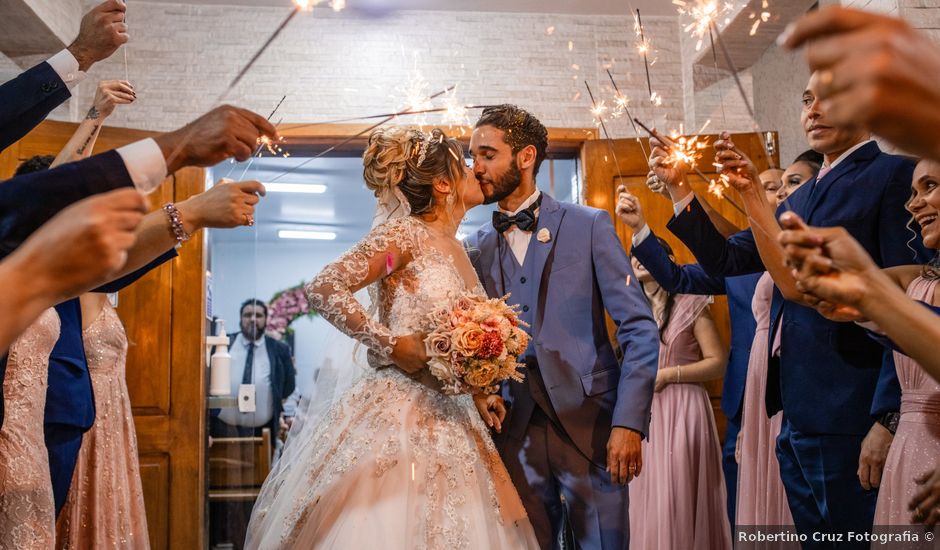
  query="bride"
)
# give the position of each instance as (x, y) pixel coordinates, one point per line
(393, 462)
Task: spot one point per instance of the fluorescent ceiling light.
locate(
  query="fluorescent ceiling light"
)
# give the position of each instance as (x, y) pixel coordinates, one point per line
(315, 188)
(310, 235)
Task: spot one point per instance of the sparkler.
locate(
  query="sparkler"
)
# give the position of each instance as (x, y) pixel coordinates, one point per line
(126, 78)
(704, 14)
(747, 103)
(686, 150)
(644, 47)
(445, 110)
(263, 141)
(299, 6)
(349, 139)
(598, 110)
(622, 104)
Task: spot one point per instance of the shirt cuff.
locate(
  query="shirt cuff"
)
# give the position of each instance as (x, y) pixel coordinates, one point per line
(641, 235)
(66, 66)
(682, 204)
(145, 164)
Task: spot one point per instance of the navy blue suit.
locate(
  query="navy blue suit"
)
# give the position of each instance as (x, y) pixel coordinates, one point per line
(26, 202)
(27, 99)
(831, 378)
(692, 279)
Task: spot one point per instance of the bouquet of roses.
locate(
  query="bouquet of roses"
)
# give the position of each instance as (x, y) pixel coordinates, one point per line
(475, 344)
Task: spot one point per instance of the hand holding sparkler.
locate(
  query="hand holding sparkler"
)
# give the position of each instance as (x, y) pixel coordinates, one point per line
(221, 133)
(655, 185)
(735, 167)
(110, 94)
(101, 33)
(669, 167)
(226, 204)
(629, 209)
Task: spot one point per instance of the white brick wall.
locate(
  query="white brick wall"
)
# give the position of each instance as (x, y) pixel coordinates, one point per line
(336, 65)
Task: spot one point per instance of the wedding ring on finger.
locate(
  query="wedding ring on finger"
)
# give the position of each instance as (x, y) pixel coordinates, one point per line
(249, 220)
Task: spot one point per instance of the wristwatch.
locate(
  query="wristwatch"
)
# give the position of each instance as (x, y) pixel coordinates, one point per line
(890, 421)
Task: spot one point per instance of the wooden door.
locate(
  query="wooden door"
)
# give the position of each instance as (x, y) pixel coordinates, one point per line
(602, 175)
(164, 313)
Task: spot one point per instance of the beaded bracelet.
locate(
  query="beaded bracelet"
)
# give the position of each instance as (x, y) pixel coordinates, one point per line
(176, 223)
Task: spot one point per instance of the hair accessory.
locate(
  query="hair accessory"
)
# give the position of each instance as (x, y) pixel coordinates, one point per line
(423, 152)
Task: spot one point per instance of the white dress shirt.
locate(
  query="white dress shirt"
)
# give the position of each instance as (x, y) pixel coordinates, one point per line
(66, 66)
(518, 239)
(261, 378)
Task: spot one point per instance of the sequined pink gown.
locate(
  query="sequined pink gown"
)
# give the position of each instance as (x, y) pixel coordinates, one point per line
(916, 446)
(762, 499)
(27, 510)
(679, 500)
(105, 505)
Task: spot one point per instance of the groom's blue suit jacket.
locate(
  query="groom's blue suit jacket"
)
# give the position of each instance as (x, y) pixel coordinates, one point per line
(584, 271)
(831, 378)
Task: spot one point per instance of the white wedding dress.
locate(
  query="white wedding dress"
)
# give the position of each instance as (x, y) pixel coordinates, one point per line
(393, 463)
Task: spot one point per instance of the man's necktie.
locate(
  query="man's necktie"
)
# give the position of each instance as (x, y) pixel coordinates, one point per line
(249, 363)
(525, 220)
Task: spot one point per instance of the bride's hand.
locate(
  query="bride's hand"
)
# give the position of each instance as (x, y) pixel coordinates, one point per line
(492, 409)
(409, 353)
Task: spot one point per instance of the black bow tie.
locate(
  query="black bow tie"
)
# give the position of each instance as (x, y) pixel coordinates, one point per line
(525, 220)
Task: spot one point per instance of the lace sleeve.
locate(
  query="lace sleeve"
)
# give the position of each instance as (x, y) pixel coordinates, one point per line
(386, 248)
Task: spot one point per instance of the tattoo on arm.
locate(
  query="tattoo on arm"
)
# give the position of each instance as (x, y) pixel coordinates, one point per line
(90, 138)
(93, 113)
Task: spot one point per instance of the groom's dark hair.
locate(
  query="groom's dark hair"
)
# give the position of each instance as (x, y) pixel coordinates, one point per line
(521, 129)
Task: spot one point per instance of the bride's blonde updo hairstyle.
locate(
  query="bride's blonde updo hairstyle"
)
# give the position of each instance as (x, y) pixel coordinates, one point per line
(407, 158)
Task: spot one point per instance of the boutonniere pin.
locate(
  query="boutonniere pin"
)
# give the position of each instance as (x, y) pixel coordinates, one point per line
(543, 235)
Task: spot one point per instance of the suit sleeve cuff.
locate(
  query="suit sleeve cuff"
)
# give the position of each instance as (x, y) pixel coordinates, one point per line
(641, 235)
(66, 66)
(678, 207)
(145, 164)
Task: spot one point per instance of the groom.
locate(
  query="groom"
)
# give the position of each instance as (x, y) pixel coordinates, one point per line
(575, 423)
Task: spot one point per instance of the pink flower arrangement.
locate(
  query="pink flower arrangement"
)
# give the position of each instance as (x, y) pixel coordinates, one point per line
(476, 344)
(285, 307)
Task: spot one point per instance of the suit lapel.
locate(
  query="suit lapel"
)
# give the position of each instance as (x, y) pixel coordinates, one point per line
(845, 168)
(550, 216)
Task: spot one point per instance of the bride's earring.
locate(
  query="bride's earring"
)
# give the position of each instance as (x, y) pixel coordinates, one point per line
(451, 199)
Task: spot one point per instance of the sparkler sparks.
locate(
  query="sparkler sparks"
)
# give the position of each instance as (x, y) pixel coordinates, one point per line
(703, 14)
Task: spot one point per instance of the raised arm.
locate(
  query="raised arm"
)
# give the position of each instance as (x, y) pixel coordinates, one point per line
(386, 249)
(674, 278)
(742, 174)
(110, 93)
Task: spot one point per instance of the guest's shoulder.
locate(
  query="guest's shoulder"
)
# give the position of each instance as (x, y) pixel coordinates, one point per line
(896, 162)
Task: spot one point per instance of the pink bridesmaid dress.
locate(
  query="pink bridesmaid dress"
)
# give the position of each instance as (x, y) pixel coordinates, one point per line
(105, 505)
(916, 445)
(762, 499)
(27, 509)
(678, 501)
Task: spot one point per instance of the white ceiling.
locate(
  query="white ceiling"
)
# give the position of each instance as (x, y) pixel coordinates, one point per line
(585, 7)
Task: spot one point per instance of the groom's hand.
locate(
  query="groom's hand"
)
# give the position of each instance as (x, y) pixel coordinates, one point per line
(624, 455)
